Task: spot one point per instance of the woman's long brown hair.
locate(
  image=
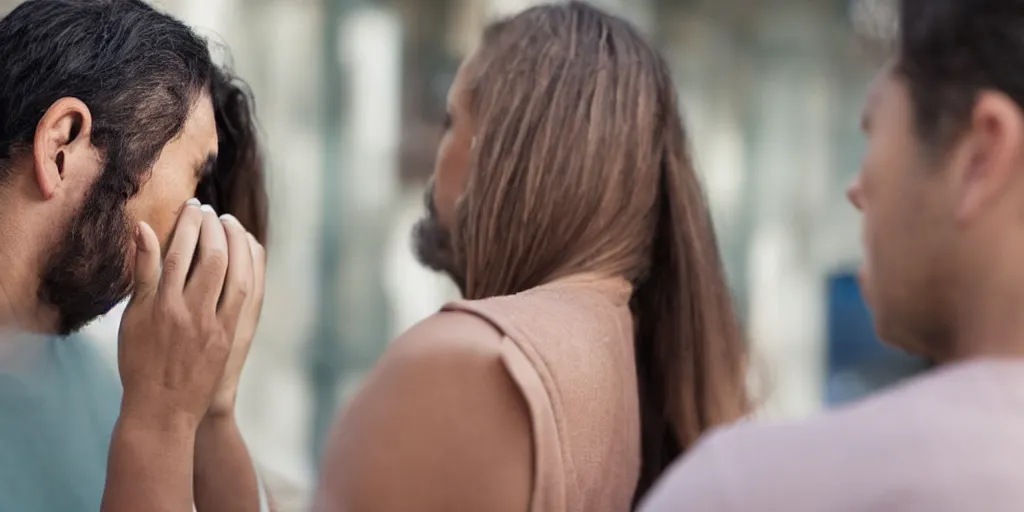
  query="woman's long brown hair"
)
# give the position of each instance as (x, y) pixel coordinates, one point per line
(581, 165)
(237, 184)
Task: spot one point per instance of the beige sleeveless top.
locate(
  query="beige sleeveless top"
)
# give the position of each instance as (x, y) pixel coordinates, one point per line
(569, 347)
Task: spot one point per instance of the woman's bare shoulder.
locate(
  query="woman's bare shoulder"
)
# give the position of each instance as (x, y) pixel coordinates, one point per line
(447, 351)
(441, 410)
(447, 332)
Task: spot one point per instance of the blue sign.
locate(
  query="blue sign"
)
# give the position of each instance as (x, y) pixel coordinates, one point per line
(858, 362)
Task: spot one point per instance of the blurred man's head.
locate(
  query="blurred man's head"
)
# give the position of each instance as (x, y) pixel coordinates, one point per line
(111, 114)
(941, 186)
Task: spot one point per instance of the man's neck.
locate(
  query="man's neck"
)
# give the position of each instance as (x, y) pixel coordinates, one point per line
(21, 311)
(25, 229)
(8, 316)
(991, 325)
(20, 307)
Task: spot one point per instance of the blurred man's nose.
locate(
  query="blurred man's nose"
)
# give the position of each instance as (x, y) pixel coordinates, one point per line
(854, 193)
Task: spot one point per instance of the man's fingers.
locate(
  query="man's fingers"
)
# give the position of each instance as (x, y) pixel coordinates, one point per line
(259, 267)
(207, 280)
(238, 286)
(147, 261)
(181, 249)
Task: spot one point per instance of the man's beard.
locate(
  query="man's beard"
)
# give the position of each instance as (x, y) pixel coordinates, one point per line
(88, 272)
(432, 243)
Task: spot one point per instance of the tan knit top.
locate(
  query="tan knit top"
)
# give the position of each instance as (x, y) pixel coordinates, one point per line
(568, 346)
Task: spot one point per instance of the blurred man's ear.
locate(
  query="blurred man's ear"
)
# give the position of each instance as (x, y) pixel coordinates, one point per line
(991, 152)
(62, 145)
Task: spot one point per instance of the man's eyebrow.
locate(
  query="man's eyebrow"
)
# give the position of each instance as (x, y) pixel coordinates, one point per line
(206, 167)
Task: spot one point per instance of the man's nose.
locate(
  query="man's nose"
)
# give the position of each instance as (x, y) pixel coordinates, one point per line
(854, 193)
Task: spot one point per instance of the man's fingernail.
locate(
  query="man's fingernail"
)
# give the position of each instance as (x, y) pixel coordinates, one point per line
(207, 208)
(192, 202)
(227, 217)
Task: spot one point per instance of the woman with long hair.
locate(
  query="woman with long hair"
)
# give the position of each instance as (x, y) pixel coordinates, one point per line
(597, 340)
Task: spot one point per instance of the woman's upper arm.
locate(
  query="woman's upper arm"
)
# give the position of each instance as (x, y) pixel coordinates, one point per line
(439, 426)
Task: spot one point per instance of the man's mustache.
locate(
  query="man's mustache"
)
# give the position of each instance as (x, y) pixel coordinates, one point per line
(428, 199)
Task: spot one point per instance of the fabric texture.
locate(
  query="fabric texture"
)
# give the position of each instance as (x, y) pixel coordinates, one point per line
(947, 441)
(569, 348)
(59, 401)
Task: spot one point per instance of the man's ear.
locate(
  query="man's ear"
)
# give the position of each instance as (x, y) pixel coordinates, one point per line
(990, 153)
(61, 141)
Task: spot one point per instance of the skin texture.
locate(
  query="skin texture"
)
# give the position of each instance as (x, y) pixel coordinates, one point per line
(161, 198)
(432, 240)
(171, 379)
(440, 426)
(180, 354)
(451, 171)
(942, 227)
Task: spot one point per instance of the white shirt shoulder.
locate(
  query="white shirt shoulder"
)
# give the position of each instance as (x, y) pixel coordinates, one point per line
(902, 449)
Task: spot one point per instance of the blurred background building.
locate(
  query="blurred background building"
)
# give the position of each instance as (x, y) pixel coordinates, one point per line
(351, 94)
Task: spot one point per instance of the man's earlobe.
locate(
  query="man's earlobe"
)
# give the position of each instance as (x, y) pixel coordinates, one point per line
(61, 138)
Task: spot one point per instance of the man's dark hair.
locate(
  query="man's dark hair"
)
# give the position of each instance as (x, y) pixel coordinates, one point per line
(140, 72)
(950, 50)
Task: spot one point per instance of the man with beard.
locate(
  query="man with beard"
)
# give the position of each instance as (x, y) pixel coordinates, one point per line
(112, 116)
(432, 243)
(941, 190)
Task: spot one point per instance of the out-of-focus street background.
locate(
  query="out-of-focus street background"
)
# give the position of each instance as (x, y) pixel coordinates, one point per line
(350, 96)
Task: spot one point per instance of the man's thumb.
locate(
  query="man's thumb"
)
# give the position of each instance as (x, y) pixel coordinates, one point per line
(147, 260)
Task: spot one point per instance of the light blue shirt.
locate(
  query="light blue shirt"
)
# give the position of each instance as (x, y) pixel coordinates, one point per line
(59, 401)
